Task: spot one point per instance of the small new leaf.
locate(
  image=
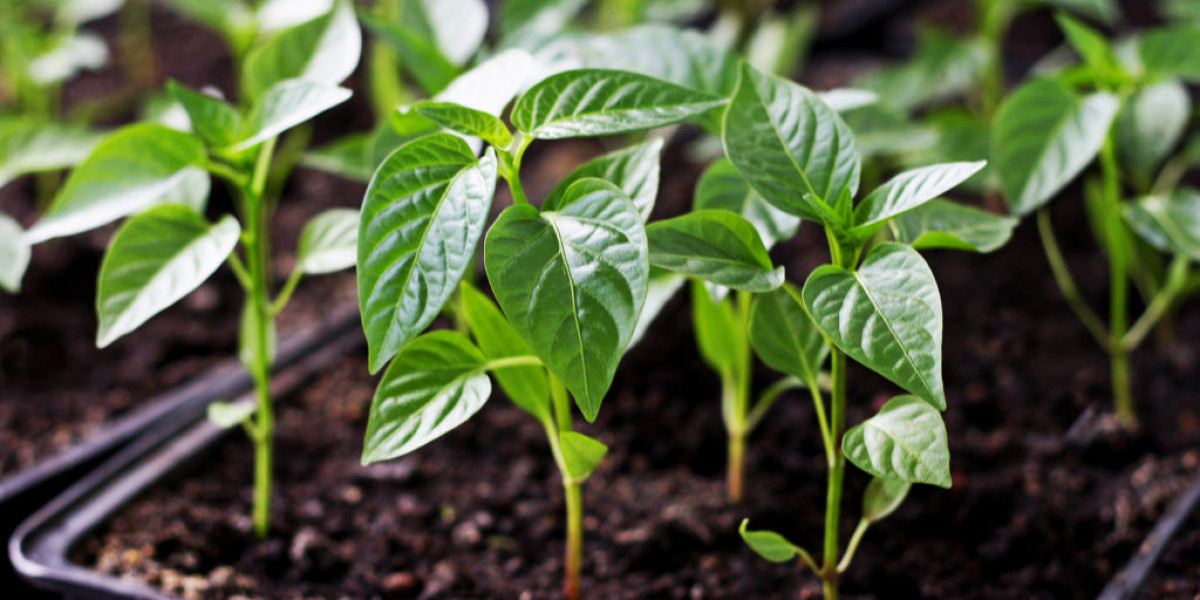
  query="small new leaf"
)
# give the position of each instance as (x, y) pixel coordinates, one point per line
(526, 386)
(717, 246)
(286, 105)
(723, 187)
(329, 242)
(882, 497)
(907, 191)
(581, 454)
(14, 254)
(230, 414)
(1169, 222)
(906, 440)
(634, 169)
(769, 545)
(466, 121)
(944, 224)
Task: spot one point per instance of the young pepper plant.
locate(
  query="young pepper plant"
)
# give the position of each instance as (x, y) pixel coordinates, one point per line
(1128, 118)
(159, 177)
(570, 277)
(876, 303)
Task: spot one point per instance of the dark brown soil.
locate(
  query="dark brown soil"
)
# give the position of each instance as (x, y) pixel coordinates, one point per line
(1178, 573)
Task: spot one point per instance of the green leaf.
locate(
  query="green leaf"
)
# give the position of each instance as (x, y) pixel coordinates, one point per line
(572, 282)
(329, 242)
(784, 335)
(791, 147)
(231, 18)
(886, 315)
(249, 349)
(422, 218)
(156, 259)
(212, 118)
(944, 224)
(594, 102)
(662, 287)
(883, 131)
(31, 146)
(457, 26)
(417, 52)
(324, 50)
(907, 191)
(944, 65)
(714, 245)
(847, 99)
(769, 545)
(435, 384)
(527, 21)
(1150, 125)
(1169, 222)
(286, 105)
(1171, 51)
(718, 333)
(1089, 43)
(466, 121)
(1044, 136)
(526, 386)
(906, 440)
(882, 497)
(348, 156)
(14, 254)
(723, 187)
(1105, 11)
(230, 414)
(130, 170)
(581, 454)
(634, 169)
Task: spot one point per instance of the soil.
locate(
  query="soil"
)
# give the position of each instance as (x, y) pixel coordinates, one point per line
(1178, 572)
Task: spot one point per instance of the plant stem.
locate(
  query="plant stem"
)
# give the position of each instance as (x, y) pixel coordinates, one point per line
(837, 471)
(1066, 283)
(1118, 259)
(736, 403)
(852, 545)
(735, 471)
(572, 489)
(994, 17)
(257, 254)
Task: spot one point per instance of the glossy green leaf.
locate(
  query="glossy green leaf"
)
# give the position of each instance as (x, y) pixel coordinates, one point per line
(1044, 135)
(962, 136)
(883, 131)
(435, 384)
(156, 259)
(768, 544)
(526, 386)
(349, 156)
(723, 187)
(1169, 222)
(67, 55)
(230, 414)
(419, 54)
(1171, 51)
(212, 118)
(581, 454)
(594, 102)
(662, 287)
(909, 190)
(882, 497)
(324, 50)
(328, 242)
(886, 315)
(944, 65)
(1150, 124)
(1089, 43)
(286, 105)
(527, 21)
(14, 254)
(572, 282)
(135, 168)
(457, 26)
(634, 169)
(784, 335)
(466, 121)
(944, 224)
(718, 332)
(714, 245)
(846, 99)
(906, 440)
(31, 146)
(791, 147)
(250, 348)
(422, 218)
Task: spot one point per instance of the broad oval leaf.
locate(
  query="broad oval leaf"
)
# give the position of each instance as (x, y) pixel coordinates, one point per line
(435, 384)
(714, 245)
(886, 315)
(156, 259)
(1169, 222)
(526, 386)
(28, 146)
(422, 218)
(882, 497)
(768, 544)
(130, 170)
(572, 282)
(211, 118)
(467, 121)
(458, 26)
(286, 105)
(593, 102)
(581, 454)
(634, 169)
(329, 242)
(908, 190)
(14, 254)
(944, 224)
(790, 146)
(723, 187)
(1171, 51)
(785, 337)
(324, 50)
(1150, 124)
(1044, 135)
(906, 440)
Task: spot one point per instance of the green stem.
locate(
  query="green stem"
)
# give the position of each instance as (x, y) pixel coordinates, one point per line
(994, 19)
(137, 45)
(837, 471)
(257, 254)
(1177, 276)
(735, 470)
(852, 545)
(736, 403)
(1118, 279)
(510, 166)
(285, 294)
(768, 398)
(572, 490)
(1066, 283)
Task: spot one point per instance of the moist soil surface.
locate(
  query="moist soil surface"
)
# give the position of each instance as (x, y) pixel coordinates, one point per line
(478, 513)
(1178, 572)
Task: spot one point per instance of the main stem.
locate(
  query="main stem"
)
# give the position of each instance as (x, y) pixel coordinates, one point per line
(837, 472)
(737, 395)
(572, 492)
(1118, 245)
(258, 253)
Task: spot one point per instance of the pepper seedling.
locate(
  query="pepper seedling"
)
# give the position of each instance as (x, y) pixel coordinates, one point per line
(1128, 115)
(570, 277)
(876, 303)
(159, 178)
